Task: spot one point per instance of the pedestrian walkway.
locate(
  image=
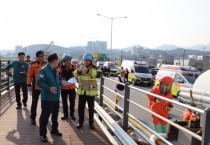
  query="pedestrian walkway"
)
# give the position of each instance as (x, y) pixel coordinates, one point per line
(15, 128)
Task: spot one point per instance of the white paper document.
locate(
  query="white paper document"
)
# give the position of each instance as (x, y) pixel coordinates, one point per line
(69, 82)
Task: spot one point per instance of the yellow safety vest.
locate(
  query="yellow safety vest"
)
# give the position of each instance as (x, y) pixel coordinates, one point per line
(87, 82)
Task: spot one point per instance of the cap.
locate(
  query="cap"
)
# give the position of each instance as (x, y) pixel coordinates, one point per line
(66, 57)
(39, 53)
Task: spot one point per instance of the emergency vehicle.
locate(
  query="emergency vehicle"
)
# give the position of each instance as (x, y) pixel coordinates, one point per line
(139, 72)
(99, 64)
(184, 76)
(113, 68)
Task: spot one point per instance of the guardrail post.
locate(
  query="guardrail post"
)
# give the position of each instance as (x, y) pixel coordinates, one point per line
(101, 90)
(126, 106)
(206, 127)
(0, 78)
(8, 83)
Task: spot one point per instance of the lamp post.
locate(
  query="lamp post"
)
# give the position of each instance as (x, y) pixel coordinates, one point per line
(203, 50)
(184, 55)
(112, 19)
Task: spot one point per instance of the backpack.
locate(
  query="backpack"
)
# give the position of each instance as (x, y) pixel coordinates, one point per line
(119, 86)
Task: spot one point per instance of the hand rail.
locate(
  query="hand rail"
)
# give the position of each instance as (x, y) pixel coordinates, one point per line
(155, 114)
(118, 131)
(168, 121)
(169, 100)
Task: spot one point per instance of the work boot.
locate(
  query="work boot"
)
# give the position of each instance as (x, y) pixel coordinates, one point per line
(73, 117)
(91, 126)
(18, 107)
(33, 122)
(25, 104)
(44, 139)
(56, 132)
(79, 126)
(64, 118)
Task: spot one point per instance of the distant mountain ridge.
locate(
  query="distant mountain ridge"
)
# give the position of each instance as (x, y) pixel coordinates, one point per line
(194, 47)
(78, 51)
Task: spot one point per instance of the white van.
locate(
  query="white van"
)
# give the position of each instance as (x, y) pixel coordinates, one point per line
(184, 76)
(139, 72)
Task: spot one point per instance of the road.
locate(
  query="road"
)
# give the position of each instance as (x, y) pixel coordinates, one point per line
(141, 98)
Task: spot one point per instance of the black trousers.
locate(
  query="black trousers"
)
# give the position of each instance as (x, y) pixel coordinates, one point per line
(68, 95)
(17, 92)
(106, 74)
(35, 98)
(48, 108)
(81, 108)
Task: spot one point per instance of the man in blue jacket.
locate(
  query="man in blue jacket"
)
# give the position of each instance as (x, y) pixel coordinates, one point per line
(20, 78)
(49, 83)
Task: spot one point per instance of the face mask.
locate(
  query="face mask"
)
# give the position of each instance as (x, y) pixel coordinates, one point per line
(165, 88)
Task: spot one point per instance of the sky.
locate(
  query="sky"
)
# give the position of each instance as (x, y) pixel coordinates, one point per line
(150, 23)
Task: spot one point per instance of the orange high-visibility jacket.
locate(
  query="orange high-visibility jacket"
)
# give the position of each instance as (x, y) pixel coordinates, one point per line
(33, 72)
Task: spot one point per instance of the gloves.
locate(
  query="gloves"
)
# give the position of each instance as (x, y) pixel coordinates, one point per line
(83, 70)
(157, 100)
(79, 71)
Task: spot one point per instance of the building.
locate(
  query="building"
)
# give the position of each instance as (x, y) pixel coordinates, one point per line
(18, 49)
(97, 47)
(135, 51)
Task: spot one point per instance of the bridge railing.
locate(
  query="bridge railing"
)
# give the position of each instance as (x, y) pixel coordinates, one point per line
(6, 81)
(205, 140)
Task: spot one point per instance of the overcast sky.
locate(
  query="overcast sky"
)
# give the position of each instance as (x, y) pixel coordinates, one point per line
(150, 23)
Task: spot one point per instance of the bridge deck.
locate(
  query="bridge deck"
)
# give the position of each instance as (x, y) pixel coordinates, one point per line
(15, 128)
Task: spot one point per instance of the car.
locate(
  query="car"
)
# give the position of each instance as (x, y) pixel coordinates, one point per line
(113, 68)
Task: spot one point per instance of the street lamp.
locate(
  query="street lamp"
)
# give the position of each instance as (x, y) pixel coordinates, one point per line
(184, 55)
(111, 18)
(203, 50)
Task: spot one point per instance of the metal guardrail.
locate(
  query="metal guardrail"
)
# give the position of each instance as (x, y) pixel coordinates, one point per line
(6, 82)
(205, 140)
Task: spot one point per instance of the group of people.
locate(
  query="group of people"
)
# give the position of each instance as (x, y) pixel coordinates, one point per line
(46, 78)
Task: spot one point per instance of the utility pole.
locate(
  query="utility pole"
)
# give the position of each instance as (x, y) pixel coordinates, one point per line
(184, 55)
(203, 50)
(121, 56)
